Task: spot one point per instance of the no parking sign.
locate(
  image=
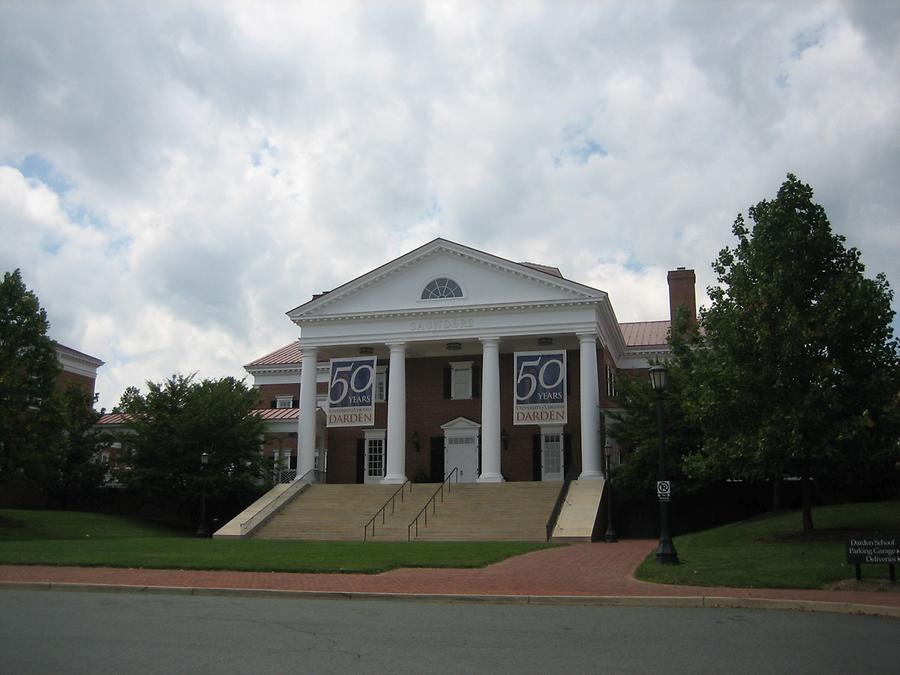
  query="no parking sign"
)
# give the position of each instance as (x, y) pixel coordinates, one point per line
(663, 490)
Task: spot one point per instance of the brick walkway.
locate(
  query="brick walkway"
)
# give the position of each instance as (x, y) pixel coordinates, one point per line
(580, 570)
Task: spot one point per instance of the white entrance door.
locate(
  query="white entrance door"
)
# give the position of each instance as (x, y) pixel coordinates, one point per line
(373, 470)
(461, 448)
(552, 453)
(462, 452)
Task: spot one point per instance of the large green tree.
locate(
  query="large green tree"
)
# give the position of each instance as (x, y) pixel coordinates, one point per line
(635, 426)
(178, 420)
(800, 370)
(29, 420)
(76, 469)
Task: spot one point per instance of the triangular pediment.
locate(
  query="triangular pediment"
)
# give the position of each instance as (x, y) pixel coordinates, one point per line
(460, 424)
(483, 279)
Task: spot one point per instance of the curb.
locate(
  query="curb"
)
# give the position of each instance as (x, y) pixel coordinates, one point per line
(694, 601)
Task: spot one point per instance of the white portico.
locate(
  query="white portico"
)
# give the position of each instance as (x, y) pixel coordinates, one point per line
(448, 304)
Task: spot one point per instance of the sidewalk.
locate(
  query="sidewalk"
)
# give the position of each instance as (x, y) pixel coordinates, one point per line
(581, 573)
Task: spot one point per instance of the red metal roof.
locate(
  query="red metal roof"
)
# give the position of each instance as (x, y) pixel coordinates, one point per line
(112, 418)
(278, 413)
(645, 333)
(288, 354)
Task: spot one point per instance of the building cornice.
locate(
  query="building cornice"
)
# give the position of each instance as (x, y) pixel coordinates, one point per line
(85, 366)
(451, 310)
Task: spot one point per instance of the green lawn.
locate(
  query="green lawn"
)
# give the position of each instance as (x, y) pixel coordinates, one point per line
(773, 552)
(89, 539)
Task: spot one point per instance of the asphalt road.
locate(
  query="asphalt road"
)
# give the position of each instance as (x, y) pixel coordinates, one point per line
(92, 632)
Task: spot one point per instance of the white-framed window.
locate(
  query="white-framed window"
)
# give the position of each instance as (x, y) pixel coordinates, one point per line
(610, 381)
(380, 384)
(374, 457)
(284, 401)
(461, 379)
(441, 288)
(552, 453)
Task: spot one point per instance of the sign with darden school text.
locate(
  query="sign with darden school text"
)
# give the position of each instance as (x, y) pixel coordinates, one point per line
(351, 392)
(540, 386)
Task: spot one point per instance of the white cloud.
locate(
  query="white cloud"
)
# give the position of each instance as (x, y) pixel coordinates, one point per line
(223, 162)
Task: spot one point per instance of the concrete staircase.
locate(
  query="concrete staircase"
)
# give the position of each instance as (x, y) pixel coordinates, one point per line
(327, 512)
(469, 512)
(491, 512)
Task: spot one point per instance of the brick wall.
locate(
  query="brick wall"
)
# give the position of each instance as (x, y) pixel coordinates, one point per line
(269, 392)
(427, 410)
(65, 378)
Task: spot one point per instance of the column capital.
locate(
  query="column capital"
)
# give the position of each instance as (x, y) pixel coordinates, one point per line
(585, 338)
(396, 346)
(489, 341)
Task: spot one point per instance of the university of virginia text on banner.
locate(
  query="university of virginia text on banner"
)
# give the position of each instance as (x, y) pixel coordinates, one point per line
(540, 388)
(351, 392)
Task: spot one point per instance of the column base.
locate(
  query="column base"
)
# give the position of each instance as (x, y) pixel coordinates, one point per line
(591, 475)
(393, 480)
(491, 478)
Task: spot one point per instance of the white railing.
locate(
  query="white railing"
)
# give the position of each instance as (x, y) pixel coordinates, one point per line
(285, 475)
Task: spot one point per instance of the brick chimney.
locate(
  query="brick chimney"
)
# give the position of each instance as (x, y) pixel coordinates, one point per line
(682, 292)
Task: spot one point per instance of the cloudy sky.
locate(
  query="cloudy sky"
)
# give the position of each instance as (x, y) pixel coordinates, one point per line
(175, 176)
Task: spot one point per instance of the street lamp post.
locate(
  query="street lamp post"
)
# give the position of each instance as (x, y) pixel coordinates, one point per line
(610, 536)
(665, 553)
(201, 528)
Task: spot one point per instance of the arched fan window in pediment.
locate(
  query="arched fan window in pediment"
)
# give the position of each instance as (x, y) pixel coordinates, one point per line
(441, 288)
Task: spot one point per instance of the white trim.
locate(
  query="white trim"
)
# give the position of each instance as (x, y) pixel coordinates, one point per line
(381, 378)
(86, 367)
(370, 436)
(451, 309)
(448, 277)
(462, 366)
(460, 426)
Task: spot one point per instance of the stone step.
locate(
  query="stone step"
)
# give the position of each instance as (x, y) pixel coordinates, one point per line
(492, 512)
(327, 512)
(468, 512)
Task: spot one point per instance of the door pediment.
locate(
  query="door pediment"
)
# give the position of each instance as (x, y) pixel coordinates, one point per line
(461, 424)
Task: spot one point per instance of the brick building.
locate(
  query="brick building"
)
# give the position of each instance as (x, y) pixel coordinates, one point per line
(453, 338)
(76, 368)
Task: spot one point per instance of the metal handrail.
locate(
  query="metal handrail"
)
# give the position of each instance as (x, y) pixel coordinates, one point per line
(391, 501)
(433, 503)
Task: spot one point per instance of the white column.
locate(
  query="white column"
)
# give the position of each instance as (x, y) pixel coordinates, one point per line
(306, 434)
(396, 425)
(490, 411)
(590, 408)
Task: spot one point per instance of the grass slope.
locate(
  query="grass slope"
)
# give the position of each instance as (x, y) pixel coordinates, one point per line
(773, 552)
(93, 540)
